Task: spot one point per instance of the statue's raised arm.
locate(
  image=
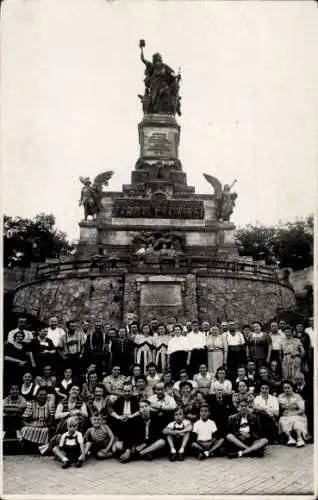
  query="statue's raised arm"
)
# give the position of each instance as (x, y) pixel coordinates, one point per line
(161, 86)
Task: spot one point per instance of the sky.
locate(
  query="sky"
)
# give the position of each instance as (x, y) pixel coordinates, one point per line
(71, 72)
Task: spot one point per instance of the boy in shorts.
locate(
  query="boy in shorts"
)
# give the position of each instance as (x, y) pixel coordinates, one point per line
(206, 441)
(178, 434)
(99, 439)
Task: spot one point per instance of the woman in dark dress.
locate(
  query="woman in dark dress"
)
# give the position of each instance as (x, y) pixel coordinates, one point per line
(43, 350)
(16, 361)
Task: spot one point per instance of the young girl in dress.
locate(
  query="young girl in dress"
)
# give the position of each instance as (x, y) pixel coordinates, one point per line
(143, 348)
(160, 342)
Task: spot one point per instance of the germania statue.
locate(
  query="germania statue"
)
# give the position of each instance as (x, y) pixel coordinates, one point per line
(161, 86)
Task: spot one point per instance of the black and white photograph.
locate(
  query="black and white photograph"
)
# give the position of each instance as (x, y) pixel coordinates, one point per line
(159, 201)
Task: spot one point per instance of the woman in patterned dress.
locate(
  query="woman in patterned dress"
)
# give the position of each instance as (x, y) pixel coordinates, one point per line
(38, 418)
(160, 342)
(293, 418)
(203, 379)
(143, 348)
(293, 352)
(216, 348)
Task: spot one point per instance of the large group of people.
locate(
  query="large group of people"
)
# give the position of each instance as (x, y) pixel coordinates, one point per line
(89, 390)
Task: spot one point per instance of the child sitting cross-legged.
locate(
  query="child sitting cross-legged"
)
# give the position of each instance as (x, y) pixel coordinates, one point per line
(178, 434)
(99, 439)
(71, 446)
(206, 441)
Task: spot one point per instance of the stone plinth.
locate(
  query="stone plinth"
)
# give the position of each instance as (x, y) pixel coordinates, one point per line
(159, 137)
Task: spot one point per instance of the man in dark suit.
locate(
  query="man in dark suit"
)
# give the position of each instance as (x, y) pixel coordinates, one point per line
(144, 434)
(123, 409)
(221, 407)
(245, 433)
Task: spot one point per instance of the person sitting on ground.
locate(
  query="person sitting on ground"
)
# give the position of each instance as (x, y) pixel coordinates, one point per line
(152, 376)
(99, 439)
(63, 388)
(13, 407)
(293, 419)
(220, 378)
(245, 434)
(142, 391)
(206, 440)
(71, 449)
(114, 383)
(144, 434)
(178, 433)
(183, 377)
(162, 403)
(123, 409)
(203, 379)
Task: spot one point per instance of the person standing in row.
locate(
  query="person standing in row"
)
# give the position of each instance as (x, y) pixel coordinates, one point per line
(143, 348)
(236, 349)
(197, 348)
(178, 348)
(217, 349)
(258, 343)
(160, 342)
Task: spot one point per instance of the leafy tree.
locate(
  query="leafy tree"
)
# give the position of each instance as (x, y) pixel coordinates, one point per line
(289, 244)
(32, 240)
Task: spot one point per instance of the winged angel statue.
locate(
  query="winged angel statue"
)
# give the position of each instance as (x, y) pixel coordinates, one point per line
(225, 199)
(91, 193)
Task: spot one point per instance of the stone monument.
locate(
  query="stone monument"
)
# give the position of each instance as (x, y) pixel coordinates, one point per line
(156, 248)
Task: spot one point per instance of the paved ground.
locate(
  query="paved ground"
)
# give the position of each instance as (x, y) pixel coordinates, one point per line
(281, 471)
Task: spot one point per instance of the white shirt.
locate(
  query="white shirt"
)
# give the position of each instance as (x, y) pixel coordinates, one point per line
(174, 426)
(197, 340)
(167, 403)
(231, 340)
(244, 429)
(270, 405)
(310, 331)
(178, 344)
(127, 408)
(66, 439)
(204, 429)
(56, 335)
(277, 340)
(28, 336)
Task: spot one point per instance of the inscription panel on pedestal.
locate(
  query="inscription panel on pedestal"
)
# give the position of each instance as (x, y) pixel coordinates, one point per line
(160, 294)
(158, 142)
(158, 209)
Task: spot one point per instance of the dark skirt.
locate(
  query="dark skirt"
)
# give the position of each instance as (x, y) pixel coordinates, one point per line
(198, 357)
(178, 361)
(236, 356)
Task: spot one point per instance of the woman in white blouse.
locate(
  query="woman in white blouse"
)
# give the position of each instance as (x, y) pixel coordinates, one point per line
(177, 351)
(266, 408)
